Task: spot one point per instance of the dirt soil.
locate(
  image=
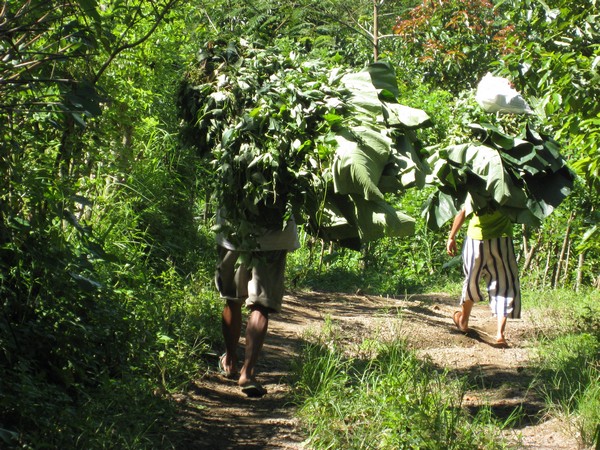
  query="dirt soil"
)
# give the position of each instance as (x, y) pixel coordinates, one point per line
(216, 415)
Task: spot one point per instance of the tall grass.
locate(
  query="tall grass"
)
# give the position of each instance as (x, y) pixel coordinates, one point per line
(568, 334)
(390, 401)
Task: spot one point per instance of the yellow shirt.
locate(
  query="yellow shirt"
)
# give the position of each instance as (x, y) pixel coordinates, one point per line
(489, 226)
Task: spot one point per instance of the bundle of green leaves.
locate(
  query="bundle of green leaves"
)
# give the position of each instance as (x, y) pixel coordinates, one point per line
(523, 176)
(289, 137)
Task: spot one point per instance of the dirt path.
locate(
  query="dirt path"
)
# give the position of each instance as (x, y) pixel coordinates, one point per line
(217, 416)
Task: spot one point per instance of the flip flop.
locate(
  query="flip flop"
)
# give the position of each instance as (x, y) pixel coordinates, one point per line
(500, 343)
(223, 371)
(253, 389)
(456, 318)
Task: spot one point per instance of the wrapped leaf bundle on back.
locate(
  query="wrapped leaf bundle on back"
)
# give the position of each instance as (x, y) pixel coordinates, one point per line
(525, 177)
(291, 137)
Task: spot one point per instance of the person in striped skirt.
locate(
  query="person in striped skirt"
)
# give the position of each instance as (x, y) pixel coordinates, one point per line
(488, 252)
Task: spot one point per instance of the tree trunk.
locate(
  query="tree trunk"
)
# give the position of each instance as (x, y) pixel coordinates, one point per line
(321, 257)
(525, 241)
(366, 256)
(547, 268)
(563, 250)
(530, 252)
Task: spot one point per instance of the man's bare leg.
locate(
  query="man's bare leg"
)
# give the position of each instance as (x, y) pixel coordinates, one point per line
(500, 339)
(256, 330)
(461, 318)
(231, 325)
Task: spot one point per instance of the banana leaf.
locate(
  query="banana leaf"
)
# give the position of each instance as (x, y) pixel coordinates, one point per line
(377, 218)
(383, 78)
(353, 219)
(378, 155)
(364, 96)
(359, 161)
(397, 115)
(438, 210)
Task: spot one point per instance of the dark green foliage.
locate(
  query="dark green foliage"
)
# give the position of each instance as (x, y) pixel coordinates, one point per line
(91, 303)
(41, 44)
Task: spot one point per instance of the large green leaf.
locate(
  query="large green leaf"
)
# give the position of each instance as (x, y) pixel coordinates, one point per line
(359, 161)
(438, 210)
(548, 198)
(397, 115)
(383, 78)
(364, 96)
(492, 136)
(356, 219)
(377, 218)
(521, 154)
(404, 168)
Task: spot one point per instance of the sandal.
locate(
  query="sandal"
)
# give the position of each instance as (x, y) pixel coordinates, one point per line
(223, 371)
(253, 389)
(500, 343)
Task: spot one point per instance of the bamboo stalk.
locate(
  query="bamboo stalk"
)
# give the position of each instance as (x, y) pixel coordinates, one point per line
(566, 266)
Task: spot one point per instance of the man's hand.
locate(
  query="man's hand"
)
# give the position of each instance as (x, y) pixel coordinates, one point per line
(451, 246)
(459, 219)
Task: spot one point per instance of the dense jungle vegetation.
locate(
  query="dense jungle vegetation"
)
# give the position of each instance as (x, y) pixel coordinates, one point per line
(109, 114)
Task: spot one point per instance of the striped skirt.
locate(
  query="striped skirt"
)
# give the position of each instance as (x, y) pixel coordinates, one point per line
(494, 260)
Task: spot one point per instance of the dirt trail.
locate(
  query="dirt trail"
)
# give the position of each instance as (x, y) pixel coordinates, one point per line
(216, 415)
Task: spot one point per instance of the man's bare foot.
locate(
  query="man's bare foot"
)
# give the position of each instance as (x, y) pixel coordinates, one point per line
(457, 317)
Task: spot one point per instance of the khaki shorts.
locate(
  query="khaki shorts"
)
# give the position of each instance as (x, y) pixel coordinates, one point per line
(262, 284)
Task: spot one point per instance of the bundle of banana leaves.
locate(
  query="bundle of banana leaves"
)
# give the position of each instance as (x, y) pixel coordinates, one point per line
(523, 176)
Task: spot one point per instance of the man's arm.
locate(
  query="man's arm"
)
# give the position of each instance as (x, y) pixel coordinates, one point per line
(459, 219)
